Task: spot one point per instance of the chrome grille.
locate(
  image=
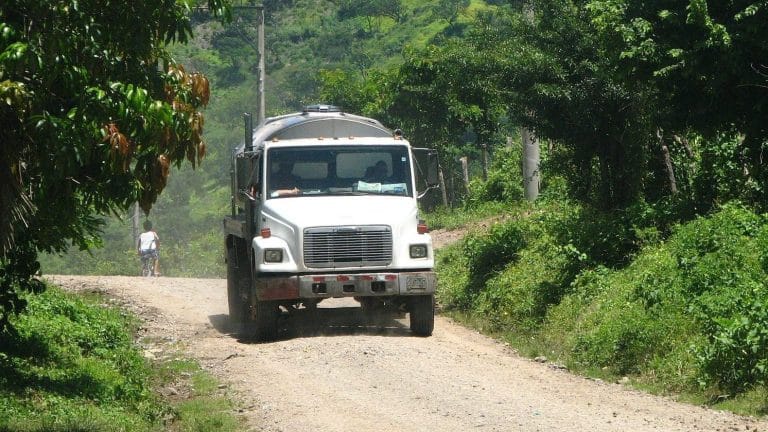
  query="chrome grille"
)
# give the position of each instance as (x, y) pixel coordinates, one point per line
(347, 246)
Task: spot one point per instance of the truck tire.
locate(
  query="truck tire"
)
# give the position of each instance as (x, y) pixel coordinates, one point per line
(422, 311)
(237, 307)
(261, 324)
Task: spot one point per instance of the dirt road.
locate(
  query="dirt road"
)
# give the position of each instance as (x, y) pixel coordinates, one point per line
(346, 375)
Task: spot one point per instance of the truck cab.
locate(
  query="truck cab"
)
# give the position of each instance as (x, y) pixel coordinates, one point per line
(325, 205)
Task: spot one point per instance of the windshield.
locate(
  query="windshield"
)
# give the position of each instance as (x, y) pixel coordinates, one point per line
(338, 170)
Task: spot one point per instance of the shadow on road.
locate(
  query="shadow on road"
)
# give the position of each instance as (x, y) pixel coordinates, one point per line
(337, 321)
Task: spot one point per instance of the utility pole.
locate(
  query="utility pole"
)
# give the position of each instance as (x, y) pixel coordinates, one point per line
(262, 103)
(465, 172)
(135, 222)
(258, 46)
(531, 161)
(531, 151)
(260, 50)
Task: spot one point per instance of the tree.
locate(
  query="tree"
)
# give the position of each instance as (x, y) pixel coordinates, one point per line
(449, 10)
(435, 97)
(371, 9)
(94, 113)
(561, 82)
(553, 75)
(706, 62)
(638, 100)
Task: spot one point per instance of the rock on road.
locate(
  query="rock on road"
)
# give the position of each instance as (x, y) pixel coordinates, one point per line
(343, 374)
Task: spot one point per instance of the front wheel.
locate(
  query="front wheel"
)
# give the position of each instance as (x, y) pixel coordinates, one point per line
(237, 307)
(147, 264)
(422, 311)
(261, 322)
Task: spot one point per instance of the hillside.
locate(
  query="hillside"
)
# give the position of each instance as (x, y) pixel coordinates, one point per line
(303, 37)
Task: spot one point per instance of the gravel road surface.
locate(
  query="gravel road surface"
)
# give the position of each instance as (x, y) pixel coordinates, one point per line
(342, 373)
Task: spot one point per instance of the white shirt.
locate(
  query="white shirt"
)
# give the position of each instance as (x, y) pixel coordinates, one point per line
(148, 240)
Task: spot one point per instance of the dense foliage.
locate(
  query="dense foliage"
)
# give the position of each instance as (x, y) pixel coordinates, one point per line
(94, 112)
(685, 314)
(620, 90)
(72, 365)
(303, 41)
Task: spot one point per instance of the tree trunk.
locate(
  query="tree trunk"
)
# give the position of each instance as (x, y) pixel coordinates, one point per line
(668, 167)
(484, 147)
(684, 142)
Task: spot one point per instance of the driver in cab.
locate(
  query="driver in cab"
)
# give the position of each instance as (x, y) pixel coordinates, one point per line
(283, 182)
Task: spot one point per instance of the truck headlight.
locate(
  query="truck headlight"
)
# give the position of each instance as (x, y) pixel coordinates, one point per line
(419, 251)
(273, 255)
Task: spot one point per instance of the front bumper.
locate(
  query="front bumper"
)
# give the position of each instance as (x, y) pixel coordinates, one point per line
(345, 285)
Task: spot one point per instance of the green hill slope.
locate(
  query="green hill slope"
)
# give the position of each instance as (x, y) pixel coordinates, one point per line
(303, 37)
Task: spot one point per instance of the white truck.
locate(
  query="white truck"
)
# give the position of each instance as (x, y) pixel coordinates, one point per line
(324, 205)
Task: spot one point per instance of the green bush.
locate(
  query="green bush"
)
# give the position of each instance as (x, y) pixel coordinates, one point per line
(720, 177)
(451, 265)
(597, 237)
(620, 342)
(734, 355)
(611, 326)
(703, 289)
(699, 244)
(465, 267)
(522, 293)
(510, 274)
(684, 313)
(490, 252)
(721, 263)
(71, 365)
(504, 183)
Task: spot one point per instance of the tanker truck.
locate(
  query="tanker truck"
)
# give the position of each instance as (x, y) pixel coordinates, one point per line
(325, 205)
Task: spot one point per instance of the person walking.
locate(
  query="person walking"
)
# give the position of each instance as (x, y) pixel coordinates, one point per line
(149, 245)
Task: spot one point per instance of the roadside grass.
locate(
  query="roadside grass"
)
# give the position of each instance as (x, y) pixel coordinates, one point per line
(72, 364)
(196, 397)
(448, 218)
(682, 314)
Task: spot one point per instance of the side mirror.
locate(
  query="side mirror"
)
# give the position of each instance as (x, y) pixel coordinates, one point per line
(245, 168)
(248, 120)
(428, 168)
(433, 169)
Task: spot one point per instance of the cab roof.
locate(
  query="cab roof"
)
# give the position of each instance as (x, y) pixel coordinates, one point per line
(319, 121)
